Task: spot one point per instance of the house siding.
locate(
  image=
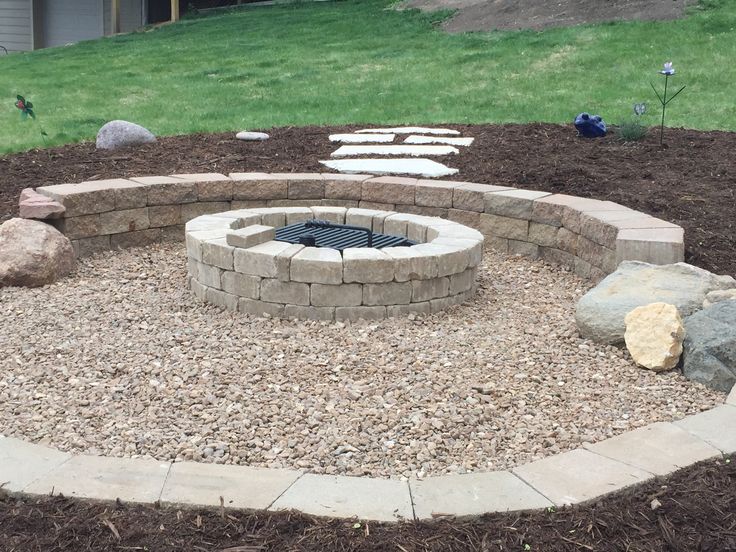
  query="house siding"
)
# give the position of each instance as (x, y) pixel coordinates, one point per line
(16, 32)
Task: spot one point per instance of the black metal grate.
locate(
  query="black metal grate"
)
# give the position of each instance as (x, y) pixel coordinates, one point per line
(321, 233)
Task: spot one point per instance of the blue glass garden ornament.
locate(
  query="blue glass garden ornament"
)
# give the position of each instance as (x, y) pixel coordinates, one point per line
(590, 126)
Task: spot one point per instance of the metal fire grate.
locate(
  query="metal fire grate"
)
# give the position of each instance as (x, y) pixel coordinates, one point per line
(322, 233)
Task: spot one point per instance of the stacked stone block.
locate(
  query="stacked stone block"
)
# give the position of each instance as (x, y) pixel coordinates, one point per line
(588, 236)
(235, 263)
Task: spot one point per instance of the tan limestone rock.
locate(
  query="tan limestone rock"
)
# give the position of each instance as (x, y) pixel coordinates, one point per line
(654, 336)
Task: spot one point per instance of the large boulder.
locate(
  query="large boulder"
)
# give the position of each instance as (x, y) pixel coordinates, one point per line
(33, 254)
(710, 346)
(654, 335)
(600, 313)
(122, 134)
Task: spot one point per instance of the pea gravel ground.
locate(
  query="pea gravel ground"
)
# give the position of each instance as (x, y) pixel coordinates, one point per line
(119, 359)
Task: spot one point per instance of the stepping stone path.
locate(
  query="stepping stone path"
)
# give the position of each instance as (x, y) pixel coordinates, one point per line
(420, 142)
(414, 151)
(361, 138)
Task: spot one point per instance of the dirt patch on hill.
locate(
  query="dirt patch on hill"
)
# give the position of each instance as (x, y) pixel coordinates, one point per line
(487, 15)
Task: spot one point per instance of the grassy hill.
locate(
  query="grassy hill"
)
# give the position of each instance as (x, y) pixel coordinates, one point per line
(357, 61)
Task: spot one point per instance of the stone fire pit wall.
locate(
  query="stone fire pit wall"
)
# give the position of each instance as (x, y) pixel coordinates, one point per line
(588, 236)
(235, 263)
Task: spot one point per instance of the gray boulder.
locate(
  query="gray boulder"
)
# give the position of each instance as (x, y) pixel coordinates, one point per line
(122, 134)
(600, 313)
(33, 253)
(710, 346)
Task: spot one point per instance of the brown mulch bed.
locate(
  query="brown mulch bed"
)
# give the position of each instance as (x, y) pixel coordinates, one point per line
(691, 182)
(697, 513)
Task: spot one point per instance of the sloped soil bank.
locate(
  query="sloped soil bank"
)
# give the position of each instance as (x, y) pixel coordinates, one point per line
(691, 181)
(697, 513)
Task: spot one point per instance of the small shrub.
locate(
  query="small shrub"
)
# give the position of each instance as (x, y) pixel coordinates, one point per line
(632, 130)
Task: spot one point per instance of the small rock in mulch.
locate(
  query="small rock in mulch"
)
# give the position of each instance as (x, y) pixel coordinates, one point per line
(33, 254)
(122, 134)
(252, 136)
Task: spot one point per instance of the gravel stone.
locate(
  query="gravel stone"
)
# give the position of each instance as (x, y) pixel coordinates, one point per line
(121, 359)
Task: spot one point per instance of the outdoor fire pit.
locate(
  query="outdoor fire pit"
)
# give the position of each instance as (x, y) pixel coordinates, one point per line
(331, 263)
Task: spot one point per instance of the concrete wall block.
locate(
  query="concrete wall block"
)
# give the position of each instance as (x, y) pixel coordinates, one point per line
(128, 195)
(377, 206)
(436, 212)
(524, 248)
(391, 293)
(416, 231)
(449, 229)
(463, 281)
(166, 190)
(513, 203)
(173, 233)
(504, 227)
(443, 303)
(422, 308)
(210, 222)
(250, 236)
(283, 261)
(210, 276)
(542, 234)
(258, 187)
(498, 244)
(298, 214)
(221, 299)
(195, 239)
(319, 265)
(193, 267)
(425, 290)
(139, 238)
(260, 308)
(199, 290)
(558, 257)
(164, 215)
(389, 189)
(435, 193)
(360, 313)
(249, 204)
(653, 245)
(466, 218)
(241, 285)
(344, 187)
(89, 246)
(396, 225)
(74, 228)
(412, 264)
(582, 268)
(312, 187)
(566, 241)
(367, 218)
(191, 211)
(215, 190)
(343, 295)
(367, 266)
(128, 220)
(347, 203)
(85, 198)
(597, 255)
(309, 313)
(473, 247)
(261, 260)
(331, 214)
(471, 197)
(291, 293)
(218, 253)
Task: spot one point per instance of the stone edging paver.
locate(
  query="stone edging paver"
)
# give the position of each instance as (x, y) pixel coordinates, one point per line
(572, 477)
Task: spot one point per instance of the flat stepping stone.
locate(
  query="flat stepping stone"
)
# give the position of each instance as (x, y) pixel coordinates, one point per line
(415, 167)
(416, 139)
(348, 151)
(409, 130)
(361, 138)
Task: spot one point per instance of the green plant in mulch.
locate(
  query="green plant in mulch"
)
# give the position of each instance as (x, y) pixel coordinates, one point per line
(632, 129)
(26, 112)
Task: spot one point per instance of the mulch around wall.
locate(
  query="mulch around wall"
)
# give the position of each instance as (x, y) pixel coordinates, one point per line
(691, 510)
(691, 181)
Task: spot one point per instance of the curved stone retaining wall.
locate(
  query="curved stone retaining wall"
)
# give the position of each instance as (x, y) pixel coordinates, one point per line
(235, 263)
(589, 236)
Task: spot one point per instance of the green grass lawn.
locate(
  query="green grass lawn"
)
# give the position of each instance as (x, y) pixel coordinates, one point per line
(358, 62)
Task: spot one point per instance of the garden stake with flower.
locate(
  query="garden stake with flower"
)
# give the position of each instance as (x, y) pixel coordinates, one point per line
(26, 111)
(668, 71)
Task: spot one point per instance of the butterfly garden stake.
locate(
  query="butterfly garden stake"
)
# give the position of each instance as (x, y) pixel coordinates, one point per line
(667, 71)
